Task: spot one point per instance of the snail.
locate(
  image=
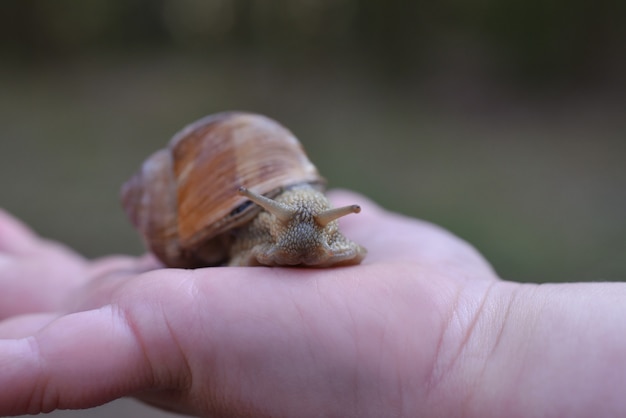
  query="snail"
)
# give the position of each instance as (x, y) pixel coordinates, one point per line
(236, 189)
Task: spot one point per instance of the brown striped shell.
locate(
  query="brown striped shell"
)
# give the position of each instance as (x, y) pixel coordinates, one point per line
(186, 200)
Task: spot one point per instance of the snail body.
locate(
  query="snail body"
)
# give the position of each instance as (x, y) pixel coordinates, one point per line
(236, 188)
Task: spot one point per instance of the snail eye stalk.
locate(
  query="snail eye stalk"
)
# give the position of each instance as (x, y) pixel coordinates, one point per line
(280, 211)
(330, 215)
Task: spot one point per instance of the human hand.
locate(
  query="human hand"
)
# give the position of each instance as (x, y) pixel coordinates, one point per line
(422, 328)
(39, 279)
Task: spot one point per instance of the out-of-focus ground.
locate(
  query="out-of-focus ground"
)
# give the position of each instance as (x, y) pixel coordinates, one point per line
(514, 140)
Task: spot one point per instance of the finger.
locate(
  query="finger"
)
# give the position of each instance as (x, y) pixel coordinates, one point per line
(107, 275)
(15, 237)
(41, 280)
(106, 265)
(78, 361)
(25, 325)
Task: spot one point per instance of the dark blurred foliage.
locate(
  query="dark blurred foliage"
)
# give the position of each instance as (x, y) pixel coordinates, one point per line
(533, 42)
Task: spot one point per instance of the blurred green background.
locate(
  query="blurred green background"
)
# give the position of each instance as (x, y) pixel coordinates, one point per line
(503, 121)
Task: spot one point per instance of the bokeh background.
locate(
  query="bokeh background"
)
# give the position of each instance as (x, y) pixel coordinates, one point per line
(502, 120)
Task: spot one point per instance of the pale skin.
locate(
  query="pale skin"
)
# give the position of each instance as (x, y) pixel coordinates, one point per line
(423, 327)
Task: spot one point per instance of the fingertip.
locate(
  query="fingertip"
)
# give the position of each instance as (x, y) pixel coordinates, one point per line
(15, 236)
(47, 370)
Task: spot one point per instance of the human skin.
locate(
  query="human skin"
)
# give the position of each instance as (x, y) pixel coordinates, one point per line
(423, 327)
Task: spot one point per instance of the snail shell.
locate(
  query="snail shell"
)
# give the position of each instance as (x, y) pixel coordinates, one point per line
(236, 188)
